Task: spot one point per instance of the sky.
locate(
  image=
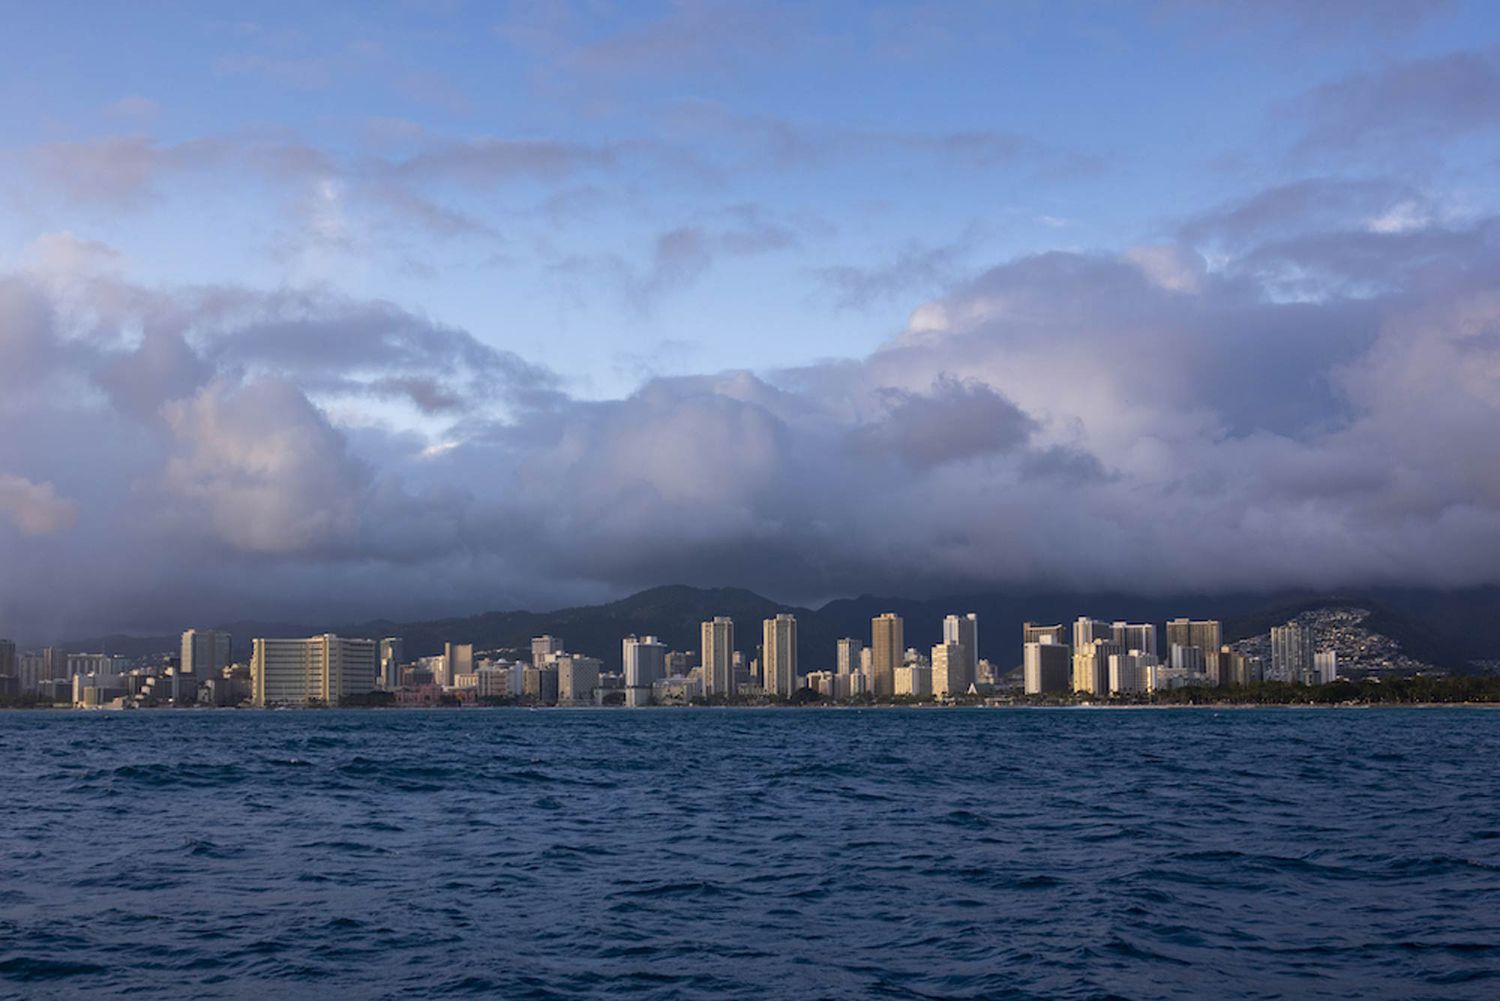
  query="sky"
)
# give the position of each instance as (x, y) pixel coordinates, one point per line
(329, 312)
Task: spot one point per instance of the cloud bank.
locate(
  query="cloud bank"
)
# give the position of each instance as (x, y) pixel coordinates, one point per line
(1316, 407)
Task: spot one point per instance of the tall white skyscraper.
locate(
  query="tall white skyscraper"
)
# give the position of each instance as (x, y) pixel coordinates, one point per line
(779, 655)
(964, 631)
(644, 659)
(205, 652)
(324, 669)
(718, 656)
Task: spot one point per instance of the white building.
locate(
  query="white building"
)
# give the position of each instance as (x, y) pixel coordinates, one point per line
(914, 680)
(850, 656)
(645, 661)
(1131, 673)
(1325, 666)
(951, 675)
(324, 669)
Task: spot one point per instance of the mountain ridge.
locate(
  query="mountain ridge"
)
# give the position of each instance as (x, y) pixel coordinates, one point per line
(1446, 629)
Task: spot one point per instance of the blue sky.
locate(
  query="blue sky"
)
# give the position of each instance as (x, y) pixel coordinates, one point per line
(906, 144)
(471, 254)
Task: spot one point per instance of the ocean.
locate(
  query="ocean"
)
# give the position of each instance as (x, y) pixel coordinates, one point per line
(879, 853)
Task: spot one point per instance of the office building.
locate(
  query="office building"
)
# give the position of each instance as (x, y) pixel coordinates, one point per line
(645, 662)
(205, 652)
(849, 656)
(779, 655)
(1091, 666)
(951, 674)
(1292, 653)
(1135, 636)
(1046, 666)
(718, 656)
(887, 652)
(963, 630)
(324, 669)
(9, 668)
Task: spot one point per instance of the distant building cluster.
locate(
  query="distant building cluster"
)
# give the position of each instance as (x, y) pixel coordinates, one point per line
(1090, 658)
(1107, 659)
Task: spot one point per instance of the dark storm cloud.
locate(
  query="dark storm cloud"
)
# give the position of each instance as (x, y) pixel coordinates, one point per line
(1316, 407)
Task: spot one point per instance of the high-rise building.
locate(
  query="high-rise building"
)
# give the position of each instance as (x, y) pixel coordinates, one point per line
(30, 672)
(718, 656)
(779, 655)
(645, 662)
(205, 652)
(849, 651)
(913, 679)
(1086, 630)
(1187, 658)
(964, 631)
(1035, 632)
(1046, 666)
(1236, 668)
(577, 677)
(1135, 636)
(392, 654)
(1291, 653)
(1091, 666)
(324, 669)
(458, 659)
(543, 648)
(1325, 667)
(8, 666)
(1204, 634)
(1131, 673)
(887, 652)
(55, 664)
(951, 674)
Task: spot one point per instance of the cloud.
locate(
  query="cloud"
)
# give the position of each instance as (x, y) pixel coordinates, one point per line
(35, 508)
(1144, 420)
(1403, 105)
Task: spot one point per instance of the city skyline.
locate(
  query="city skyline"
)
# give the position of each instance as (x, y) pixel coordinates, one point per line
(444, 308)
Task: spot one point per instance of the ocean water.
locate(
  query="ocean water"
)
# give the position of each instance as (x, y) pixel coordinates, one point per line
(751, 854)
